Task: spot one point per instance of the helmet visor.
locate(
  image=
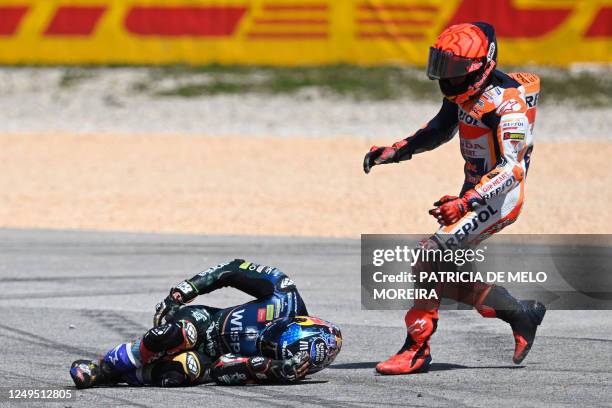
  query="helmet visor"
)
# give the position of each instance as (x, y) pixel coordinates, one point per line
(444, 65)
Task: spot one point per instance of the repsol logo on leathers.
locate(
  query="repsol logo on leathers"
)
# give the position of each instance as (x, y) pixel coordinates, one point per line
(464, 117)
(500, 189)
(482, 216)
(532, 100)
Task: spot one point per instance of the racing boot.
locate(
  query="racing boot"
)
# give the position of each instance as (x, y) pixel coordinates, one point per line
(86, 373)
(524, 317)
(117, 364)
(414, 356)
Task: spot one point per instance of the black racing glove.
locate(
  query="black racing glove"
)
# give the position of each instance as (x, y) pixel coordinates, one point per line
(182, 293)
(292, 369)
(165, 309)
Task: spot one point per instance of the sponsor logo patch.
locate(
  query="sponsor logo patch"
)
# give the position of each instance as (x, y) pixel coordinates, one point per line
(185, 287)
(258, 268)
(318, 351)
(491, 51)
(270, 312)
(509, 106)
(192, 365)
(286, 282)
(214, 268)
(235, 329)
(514, 136)
(532, 100)
(467, 119)
(512, 124)
(200, 315)
(191, 332)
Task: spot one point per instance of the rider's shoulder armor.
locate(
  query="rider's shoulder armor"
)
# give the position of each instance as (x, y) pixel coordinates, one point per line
(507, 93)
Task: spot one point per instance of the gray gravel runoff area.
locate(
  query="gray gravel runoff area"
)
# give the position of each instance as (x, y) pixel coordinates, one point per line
(68, 295)
(110, 101)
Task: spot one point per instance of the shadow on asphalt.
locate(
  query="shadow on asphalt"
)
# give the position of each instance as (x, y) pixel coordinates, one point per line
(450, 366)
(433, 367)
(365, 364)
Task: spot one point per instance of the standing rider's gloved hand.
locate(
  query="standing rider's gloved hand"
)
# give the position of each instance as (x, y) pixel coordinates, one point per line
(383, 155)
(450, 209)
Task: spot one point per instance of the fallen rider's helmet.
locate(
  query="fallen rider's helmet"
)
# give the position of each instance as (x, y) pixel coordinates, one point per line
(283, 338)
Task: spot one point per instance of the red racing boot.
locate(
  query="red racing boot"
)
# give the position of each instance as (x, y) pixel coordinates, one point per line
(414, 356)
(524, 316)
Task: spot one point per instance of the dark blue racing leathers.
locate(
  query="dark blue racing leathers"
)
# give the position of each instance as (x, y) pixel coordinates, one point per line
(196, 343)
(235, 329)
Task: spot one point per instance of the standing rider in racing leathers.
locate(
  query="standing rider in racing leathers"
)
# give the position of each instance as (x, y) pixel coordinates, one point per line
(270, 339)
(494, 114)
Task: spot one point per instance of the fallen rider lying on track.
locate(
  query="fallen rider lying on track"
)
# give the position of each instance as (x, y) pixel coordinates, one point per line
(268, 340)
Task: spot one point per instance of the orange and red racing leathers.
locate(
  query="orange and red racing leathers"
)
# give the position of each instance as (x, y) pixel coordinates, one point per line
(496, 138)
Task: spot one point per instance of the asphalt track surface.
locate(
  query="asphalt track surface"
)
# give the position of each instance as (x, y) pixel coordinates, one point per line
(67, 295)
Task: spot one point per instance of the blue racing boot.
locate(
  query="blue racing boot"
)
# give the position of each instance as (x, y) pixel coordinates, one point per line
(119, 362)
